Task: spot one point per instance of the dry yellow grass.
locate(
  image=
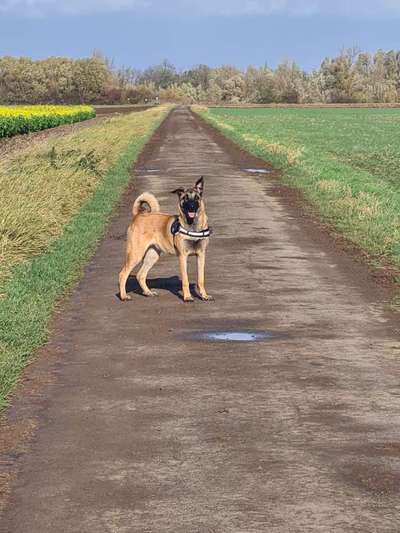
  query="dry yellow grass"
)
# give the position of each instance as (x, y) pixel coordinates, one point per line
(43, 186)
(292, 154)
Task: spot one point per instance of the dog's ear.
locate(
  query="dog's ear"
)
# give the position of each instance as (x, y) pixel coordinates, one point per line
(200, 185)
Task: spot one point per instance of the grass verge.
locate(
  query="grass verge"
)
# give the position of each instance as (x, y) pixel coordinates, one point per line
(346, 162)
(32, 287)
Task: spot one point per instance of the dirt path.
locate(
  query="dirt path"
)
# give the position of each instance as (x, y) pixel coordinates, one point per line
(142, 425)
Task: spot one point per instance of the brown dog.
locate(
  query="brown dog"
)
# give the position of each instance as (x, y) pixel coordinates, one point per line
(152, 233)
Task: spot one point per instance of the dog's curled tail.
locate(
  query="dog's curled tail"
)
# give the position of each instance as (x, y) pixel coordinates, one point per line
(145, 203)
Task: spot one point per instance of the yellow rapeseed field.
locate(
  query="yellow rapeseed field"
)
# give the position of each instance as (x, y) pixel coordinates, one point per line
(25, 119)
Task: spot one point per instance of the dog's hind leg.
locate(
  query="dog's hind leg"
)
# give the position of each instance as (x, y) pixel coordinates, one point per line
(132, 259)
(149, 260)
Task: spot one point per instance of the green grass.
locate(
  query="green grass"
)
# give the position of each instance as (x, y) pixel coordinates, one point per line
(31, 289)
(346, 161)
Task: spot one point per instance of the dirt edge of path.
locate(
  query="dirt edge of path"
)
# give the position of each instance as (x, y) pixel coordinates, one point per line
(377, 284)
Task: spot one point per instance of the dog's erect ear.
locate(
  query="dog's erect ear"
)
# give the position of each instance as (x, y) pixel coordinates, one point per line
(200, 186)
(179, 191)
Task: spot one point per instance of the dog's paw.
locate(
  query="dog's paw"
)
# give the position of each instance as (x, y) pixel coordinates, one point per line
(188, 299)
(151, 293)
(126, 298)
(207, 297)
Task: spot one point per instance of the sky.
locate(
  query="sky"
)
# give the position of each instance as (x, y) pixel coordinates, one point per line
(139, 33)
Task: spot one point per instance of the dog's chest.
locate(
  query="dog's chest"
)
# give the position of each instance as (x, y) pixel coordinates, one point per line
(192, 246)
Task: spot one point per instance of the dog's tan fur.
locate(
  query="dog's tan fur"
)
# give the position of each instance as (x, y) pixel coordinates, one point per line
(149, 235)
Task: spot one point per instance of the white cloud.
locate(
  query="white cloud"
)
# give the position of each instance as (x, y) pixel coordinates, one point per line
(227, 8)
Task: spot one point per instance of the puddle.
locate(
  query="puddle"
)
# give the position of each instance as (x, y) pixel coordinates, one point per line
(237, 336)
(257, 170)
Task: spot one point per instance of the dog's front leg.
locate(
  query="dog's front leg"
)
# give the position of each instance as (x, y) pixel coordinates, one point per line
(201, 261)
(187, 297)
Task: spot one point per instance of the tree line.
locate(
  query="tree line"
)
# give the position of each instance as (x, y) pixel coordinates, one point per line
(351, 77)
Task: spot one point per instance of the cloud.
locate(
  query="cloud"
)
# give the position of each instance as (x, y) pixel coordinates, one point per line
(296, 8)
(222, 8)
(69, 7)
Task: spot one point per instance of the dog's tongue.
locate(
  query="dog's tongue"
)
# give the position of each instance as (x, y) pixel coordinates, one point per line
(191, 214)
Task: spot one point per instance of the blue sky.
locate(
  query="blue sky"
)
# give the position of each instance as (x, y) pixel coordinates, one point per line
(186, 32)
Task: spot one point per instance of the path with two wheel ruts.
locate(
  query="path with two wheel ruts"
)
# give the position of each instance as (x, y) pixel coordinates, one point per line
(142, 423)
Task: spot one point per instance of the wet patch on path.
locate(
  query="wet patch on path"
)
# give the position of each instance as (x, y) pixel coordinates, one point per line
(238, 336)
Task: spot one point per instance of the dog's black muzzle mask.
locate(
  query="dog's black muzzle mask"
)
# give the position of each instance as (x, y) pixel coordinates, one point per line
(190, 208)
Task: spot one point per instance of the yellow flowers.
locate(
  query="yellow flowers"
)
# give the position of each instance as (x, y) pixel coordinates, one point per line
(43, 110)
(25, 119)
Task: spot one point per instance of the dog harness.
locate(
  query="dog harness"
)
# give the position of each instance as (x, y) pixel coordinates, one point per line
(177, 228)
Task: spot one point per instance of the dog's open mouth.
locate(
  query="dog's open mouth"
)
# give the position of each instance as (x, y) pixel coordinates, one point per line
(191, 214)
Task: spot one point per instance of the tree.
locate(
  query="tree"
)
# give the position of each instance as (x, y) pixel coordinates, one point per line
(259, 85)
(198, 76)
(22, 81)
(90, 78)
(141, 93)
(352, 76)
(289, 80)
(59, 79)
(339, 77)
(161, 75)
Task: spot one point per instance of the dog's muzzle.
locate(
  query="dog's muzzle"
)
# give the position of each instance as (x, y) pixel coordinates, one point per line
(190, 209)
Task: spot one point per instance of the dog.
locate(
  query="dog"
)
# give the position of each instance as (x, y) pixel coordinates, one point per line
(153, 233)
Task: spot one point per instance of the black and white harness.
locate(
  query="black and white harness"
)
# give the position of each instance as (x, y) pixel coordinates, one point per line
(177, 228)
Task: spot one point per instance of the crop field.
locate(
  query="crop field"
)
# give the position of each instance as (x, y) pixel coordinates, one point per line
(26, 119)
(56, 198)
(346, 161)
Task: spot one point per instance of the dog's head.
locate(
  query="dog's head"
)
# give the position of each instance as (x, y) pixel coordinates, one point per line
(191, 201)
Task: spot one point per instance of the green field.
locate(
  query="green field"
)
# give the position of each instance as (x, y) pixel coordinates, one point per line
(346, 161)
